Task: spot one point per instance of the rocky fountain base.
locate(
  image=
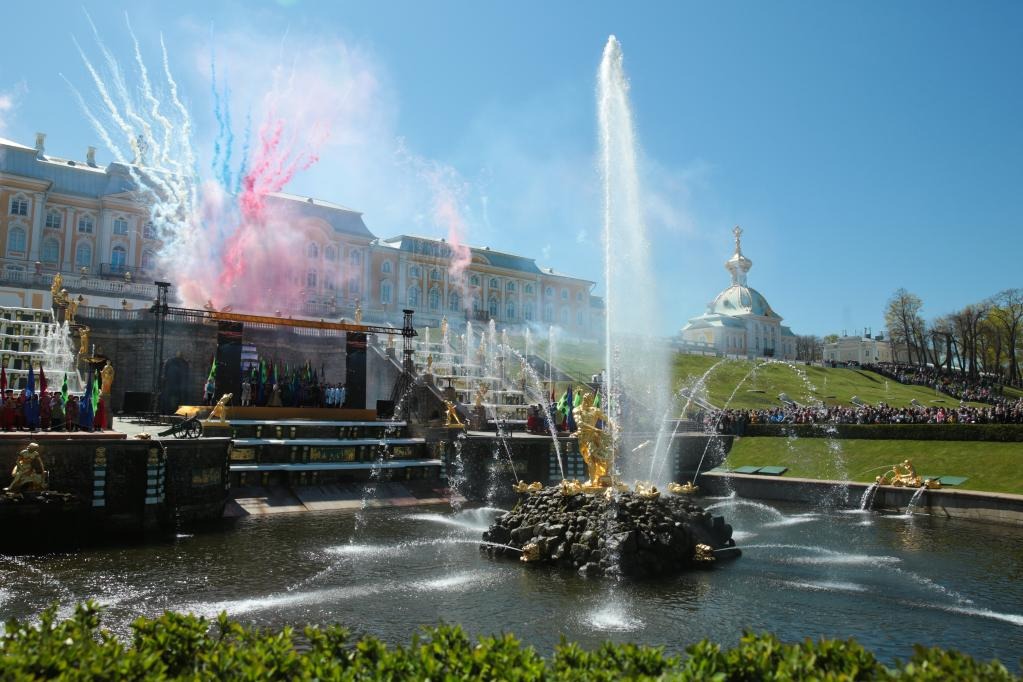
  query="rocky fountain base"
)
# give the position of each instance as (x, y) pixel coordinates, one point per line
(628, 534)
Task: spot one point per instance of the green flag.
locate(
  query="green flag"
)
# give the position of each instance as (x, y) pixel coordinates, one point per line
(596, 400)
(577, 399)
(64, 391)
(95, 394)
(213, 370)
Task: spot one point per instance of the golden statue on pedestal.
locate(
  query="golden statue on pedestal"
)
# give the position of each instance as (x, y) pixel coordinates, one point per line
(592, 441)
(83, 347)
(28, 474)
(55, 288)
(107, 374)
(570, 487)
(72, 306)
(481, 395)
(647, 490)
(523, 487)
(452, 416)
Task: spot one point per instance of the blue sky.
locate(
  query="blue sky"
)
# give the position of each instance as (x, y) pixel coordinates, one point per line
(862, 146)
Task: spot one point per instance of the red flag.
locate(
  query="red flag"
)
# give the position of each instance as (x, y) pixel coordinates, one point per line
(42, 379)
(3, 379)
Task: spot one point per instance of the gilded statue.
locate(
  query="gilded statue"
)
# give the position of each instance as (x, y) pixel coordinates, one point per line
(429, 364)
(687, 488)
(83, 347)
(904, 476)
(647, 491)
(444, 328)
(28, 474)
(703, 553)
(358, 313)
(452, 416)
(481, 395)
(55, 288)
(107, 374)
(220, 409)
(591, 437)
(568, 488)
(530, 552)
(72, 305)
(522, 487)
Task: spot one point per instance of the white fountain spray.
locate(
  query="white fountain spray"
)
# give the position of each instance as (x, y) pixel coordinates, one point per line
(637, 383)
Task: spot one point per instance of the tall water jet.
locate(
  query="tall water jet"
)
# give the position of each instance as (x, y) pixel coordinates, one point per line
(637, 381)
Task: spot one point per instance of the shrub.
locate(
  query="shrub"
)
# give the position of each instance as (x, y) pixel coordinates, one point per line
(176, 646)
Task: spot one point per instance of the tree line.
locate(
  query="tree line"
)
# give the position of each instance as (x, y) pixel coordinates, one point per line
(983, 337)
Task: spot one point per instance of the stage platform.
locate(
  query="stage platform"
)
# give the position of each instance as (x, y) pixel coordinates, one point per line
(264, 414)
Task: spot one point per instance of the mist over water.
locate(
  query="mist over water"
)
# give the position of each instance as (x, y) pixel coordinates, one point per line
(637, 363)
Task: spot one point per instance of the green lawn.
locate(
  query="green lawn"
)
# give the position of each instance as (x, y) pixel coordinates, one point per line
(990, 467)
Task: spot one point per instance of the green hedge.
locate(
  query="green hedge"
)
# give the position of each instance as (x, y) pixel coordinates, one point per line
(178, 646)
(1003, 433)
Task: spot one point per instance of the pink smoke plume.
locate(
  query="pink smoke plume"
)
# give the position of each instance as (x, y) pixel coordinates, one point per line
(259, 263)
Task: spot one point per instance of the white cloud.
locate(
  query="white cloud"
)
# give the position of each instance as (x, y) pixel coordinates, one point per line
(9, 101)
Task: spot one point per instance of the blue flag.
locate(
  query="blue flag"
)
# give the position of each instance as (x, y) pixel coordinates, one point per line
(85, 413)
(30, 389)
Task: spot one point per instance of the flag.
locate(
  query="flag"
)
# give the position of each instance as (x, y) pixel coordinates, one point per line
(563, 402)
(42, 379)
(213, 371)
(96, 387)
(3, 379)
(30, 388)
(578, 399)
(64, 391)
(85, 411)
(596, 400)
(570, 402)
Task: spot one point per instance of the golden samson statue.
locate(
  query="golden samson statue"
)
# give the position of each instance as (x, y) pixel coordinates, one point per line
(593, 441)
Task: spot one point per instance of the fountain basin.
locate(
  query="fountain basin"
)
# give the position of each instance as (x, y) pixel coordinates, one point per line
(596, 534)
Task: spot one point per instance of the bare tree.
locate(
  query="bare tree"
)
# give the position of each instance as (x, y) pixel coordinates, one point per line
(905, 326)
(966, 325)
(809, 348)
(1007, 314)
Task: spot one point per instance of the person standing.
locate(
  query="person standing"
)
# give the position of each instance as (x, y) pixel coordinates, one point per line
(342, 395)
(246, 393)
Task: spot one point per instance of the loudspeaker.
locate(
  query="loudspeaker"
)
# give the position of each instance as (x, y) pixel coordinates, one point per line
(136, 402)
(385, 409)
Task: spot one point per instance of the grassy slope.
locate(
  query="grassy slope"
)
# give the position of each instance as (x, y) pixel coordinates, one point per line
(991, 467)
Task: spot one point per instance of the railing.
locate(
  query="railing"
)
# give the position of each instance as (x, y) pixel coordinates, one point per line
(119, 270)
(30, 276)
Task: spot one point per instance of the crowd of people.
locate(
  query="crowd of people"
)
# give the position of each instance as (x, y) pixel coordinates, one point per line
(735, 421)
(272, 384)
(958, 384)
(31, 411)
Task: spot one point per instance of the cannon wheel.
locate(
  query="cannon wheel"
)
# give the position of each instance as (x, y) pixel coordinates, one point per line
(180, 431)
(194, 430)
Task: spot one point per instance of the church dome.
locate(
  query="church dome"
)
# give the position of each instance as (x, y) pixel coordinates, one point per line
(741, 300)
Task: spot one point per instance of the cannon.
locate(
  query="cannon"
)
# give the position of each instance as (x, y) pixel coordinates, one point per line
(187, 428)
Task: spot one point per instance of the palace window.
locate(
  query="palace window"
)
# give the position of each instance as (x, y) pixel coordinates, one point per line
(579, 318)
(474, 280)
(509, 311)
(19, 206)
(494, 284)
(434, 298)
(16, 240)
(579, 296)
(527, 312)
(310, 279)
(51, 251)
(385, 292)
(564, 294)
(120, 226)
(149, 230)
(118, 258)
(83, 255)
(492, 306)
(548, 312)
(510, 286)
(330, 253)
(549, 292)
(353, 286)
(454, 301)
(53, 220)
(148, 260)
(529, 289)
(328, 282)
(435, 275)
(564, 316)
(356, 259)
(86, 224)
(413, 295)
(385, 267)
(414, 272)
(312, 251)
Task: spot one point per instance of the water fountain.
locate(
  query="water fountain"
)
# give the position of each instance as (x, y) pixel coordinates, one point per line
(31, 337)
